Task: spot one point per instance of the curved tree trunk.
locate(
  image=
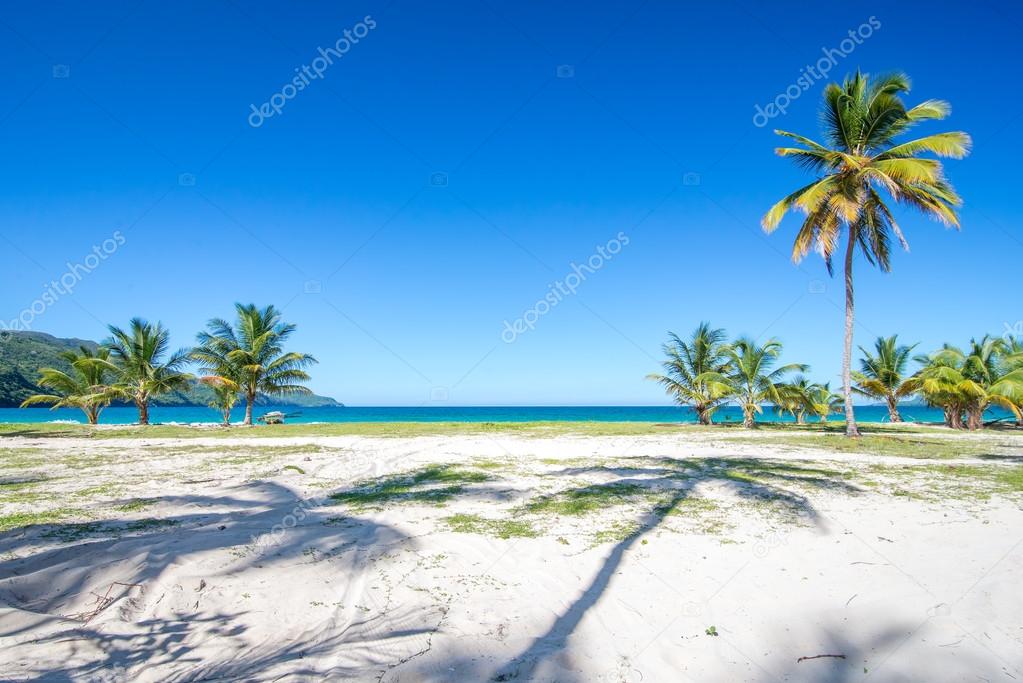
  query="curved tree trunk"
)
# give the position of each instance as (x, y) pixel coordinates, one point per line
(850, 416)
(92, 414)
(893, 410)
(800, 418)
(703, 415)
(143, 407)
(955, 417)
(227, 417)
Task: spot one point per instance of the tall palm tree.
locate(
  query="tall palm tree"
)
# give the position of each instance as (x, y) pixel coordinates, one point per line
(84, 387)
(693, 369)
(754, 379)
(251, 353)
(137, 359)
(859, 160)
(882, 374)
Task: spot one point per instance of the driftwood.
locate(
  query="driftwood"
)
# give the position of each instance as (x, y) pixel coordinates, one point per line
(102, 602)
(803, 659)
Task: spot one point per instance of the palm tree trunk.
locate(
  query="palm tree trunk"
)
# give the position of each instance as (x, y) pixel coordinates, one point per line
(703, 415)
(893, 410)
(975, 417)
(850, 416)
(747, 417)
(249, 400)
(143, 407)
(227, 417)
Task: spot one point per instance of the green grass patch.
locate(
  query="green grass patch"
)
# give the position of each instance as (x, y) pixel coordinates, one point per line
(581, 501)
(617, 532)
(433, 484)
(20, 520)
(20, 458)
(501, 528)
(901, 445)
(136, 504)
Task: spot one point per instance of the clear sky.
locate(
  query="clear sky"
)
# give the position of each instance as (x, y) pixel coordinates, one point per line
(446, 168)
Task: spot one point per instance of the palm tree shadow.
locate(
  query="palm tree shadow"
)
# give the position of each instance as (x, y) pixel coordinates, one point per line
(56, 577)
(679, 477)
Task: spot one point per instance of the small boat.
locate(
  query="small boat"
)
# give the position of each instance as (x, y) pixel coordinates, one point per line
(274, 417)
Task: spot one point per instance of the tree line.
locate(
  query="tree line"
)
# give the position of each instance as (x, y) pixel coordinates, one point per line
(706, 371)
(238, 360)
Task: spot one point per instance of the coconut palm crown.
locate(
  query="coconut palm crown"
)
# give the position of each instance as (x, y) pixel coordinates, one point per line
(686, 370)
(858, 165)
(84, 387)
(137, 359)
(251, 354)
(883, 376)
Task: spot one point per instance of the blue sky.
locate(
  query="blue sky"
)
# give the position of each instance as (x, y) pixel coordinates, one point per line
(133, 118)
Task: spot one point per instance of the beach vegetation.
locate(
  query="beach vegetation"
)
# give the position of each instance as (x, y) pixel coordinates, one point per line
(142, 364)
(250, 355)
(84, 387)
(860, 160)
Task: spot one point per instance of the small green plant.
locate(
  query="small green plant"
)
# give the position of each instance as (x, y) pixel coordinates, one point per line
(502, 528)
(712, 631)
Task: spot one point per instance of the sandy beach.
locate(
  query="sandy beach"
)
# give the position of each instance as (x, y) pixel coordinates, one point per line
(702, 555)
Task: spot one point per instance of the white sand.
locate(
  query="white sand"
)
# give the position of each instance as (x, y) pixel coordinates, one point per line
(906, 588)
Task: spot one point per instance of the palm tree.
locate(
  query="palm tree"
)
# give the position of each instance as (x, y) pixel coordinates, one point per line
(823, 401)
(225, 395)
(752, 379)
(693, 368)
(251, 352)
(861, 158)
(137, 361)
(940, 379)
(971, 381)
(882, 374)
(84, 387)
(794, 397)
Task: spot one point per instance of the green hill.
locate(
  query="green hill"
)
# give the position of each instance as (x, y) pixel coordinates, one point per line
(23, 353)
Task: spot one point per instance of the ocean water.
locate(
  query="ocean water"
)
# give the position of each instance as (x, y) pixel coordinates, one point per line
(125, 415)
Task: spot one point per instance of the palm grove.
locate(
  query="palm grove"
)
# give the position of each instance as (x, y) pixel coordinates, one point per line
(860, 160)
(239, 361)
(705, 371)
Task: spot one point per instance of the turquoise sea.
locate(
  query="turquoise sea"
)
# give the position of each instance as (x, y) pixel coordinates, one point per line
(126, 415)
